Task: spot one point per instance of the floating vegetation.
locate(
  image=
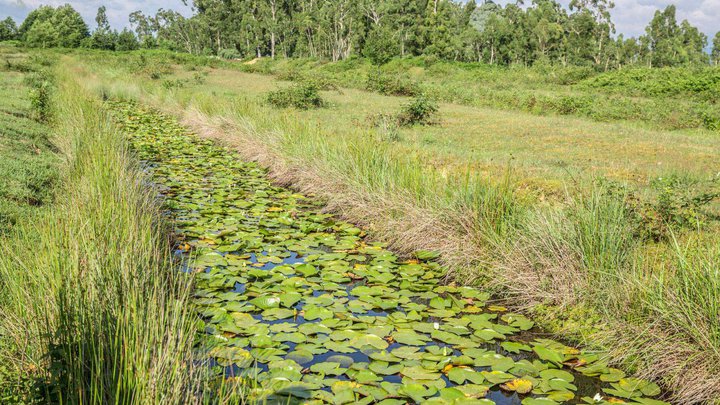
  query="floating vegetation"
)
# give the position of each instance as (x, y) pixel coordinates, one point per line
(311, 311)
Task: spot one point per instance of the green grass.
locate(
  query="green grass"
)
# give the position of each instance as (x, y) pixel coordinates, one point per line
(94, 310)
(565, 217)
(658, 98)
(28, 159)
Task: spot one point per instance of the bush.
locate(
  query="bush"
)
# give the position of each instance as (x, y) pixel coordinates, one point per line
(40, 96)
(391, 84)
(303, 96)
(387, 125)
(229, 54)
(420, 111)
(679, 203)
(174, 84)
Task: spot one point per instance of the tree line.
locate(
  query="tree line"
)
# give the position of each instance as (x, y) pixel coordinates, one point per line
(541, 32)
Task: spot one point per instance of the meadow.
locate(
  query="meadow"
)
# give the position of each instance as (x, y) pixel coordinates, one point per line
(592, 209)
(602, 231)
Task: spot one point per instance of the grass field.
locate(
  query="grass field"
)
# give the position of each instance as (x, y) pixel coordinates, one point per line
(604, 230)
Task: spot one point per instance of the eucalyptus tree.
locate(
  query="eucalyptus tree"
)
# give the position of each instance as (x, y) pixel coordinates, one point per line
(592, 27)
(715, 55)
(693, 43)
(662, 38)
(670, 44)
(548, 20)
(103, 37)
(145, 28)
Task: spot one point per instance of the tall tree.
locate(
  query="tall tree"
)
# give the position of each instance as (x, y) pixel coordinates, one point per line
(547, 19)
(49, 27)
(8, 29)
(103, 37)
(693, 43)
(145, 28)
(597, 28)
(662, 38)
(716, 49)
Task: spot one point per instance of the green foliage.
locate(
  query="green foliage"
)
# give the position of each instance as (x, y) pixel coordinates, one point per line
(8, 29)
(541, 33)
(91, 304)
(47, 27)
(668, 98)
(698, 83)
(127, 41)
(174, 83)
(670, 44)
(229, 53)
(391, 83)
(303, 96)
(679, 204)
(41, 88)
(380, 46)
(421, 110)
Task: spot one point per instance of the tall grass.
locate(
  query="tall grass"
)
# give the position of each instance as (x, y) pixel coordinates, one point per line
(91, 301)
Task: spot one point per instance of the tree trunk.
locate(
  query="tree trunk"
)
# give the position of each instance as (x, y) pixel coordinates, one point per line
(272, 45)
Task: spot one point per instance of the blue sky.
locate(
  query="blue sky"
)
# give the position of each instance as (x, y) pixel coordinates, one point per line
(630, 16)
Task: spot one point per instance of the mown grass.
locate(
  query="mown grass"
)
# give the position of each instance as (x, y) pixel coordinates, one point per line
(93, 308)
(28, 159)
(586, 258)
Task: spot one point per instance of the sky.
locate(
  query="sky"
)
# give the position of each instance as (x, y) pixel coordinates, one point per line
(630, 16)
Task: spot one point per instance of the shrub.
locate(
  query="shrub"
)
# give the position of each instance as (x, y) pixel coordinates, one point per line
(174, 84)
(420, 111)
(391, 84)
(303, 96)
(200, 77)
(387, 125)
(229, 53)
(679, 203)
(40, 96)
(319, 81)
(571, 75)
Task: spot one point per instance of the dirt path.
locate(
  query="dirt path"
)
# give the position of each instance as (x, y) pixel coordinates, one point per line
(305, 305)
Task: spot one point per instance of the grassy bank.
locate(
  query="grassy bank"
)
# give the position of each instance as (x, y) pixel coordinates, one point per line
(93, 309)
(624, 263)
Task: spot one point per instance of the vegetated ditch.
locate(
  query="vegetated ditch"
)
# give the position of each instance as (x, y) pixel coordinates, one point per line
(306, 308)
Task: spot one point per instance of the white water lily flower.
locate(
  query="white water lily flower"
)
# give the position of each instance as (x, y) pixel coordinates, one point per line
(597, 397)
(436, 326)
